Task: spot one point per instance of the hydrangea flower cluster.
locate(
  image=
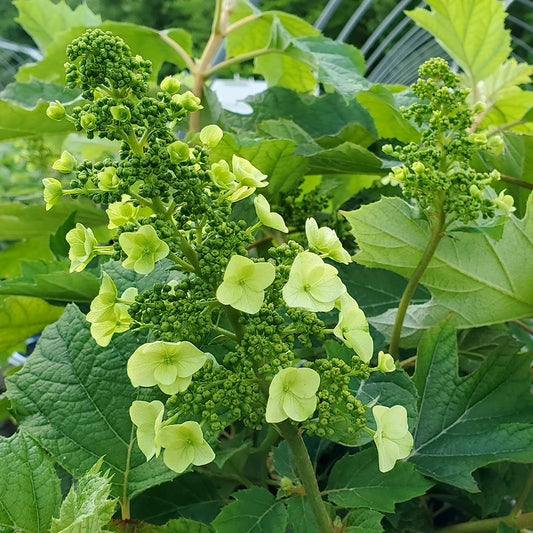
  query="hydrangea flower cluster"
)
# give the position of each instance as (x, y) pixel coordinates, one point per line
(171, 203)
(437, 172)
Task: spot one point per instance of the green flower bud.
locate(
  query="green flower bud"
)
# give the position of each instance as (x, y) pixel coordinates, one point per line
(52, 193)
(120, 113)
(246, 174)
(108, 179)
(418, 168)
(55, 111)
(325, 241)
(88, 122)
(170, 85)
(188, 101)
(387, 149)
(66, 163)
(398, 173)
(211, 135)
(475, 192)
(479, 107)
(178, 151)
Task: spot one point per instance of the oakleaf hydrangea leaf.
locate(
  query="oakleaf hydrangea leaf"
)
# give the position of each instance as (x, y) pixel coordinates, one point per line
(73, 397)
(87, 507)
(29, 487)
(468, 422)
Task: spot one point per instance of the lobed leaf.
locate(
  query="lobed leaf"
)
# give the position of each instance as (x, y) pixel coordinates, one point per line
(468, 422)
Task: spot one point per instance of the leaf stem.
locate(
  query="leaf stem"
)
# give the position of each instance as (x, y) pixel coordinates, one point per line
(516, 181)
(490, 525)
(180, 50)
(307, 475)
(437, 232)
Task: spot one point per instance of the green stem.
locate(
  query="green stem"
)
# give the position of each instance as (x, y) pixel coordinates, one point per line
(225, 332)
(437, 232)
(516, 181)
(181, 52)
(239, 59)
(233, 316)
(307, 474)
(521, 500)
(183, 264)
(490, 525)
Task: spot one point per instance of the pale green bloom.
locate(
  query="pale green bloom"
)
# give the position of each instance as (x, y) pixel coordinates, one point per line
(107, 315)
(266, 217)
(352, 328)
(178, 151)
(147, 416)
(143, 248)
(108, 179)
(505, 202)
(55, 110)
(325, 241)
(313, 285)
(66, 163)
(169, 365)
(121, 213)
(385, 362)
(211, 135)
(241, 193)
(246, 174)
(221, 175)
(188, 101)
(184, 445)
(244, 284)
(53, 192)
(292, 394)
(392, 436)
(120, 113)
(83, 245)
(170, 85)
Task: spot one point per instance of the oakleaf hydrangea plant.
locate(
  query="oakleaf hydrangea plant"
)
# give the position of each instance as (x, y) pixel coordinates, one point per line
(170, 203)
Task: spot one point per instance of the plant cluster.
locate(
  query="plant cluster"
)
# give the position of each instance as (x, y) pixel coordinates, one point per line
(168, 200)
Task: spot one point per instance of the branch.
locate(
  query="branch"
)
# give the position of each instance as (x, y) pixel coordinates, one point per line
(181, 51)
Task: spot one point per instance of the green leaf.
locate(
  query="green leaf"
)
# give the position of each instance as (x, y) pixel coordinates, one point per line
(490, 272)
(472, 421)
(181, 525)
(355, 481)
(28, 95)
(20, 221)
(70, 378)
(254, 510)
(363, 521)
(11, 257)
(283, 128)
(347, 158)
(52, 280)
(285, 71)
(379, 101)
(22, 317)
(471, 31)
(58, 16)
(192, 495)
(317, 115)
(300, 515)
(261, 32)
(87, 507)
(377, 290)
(388, 389)
(29, 486)
(19, 123)
(143, 41)
(282, 458)
(338, 65)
